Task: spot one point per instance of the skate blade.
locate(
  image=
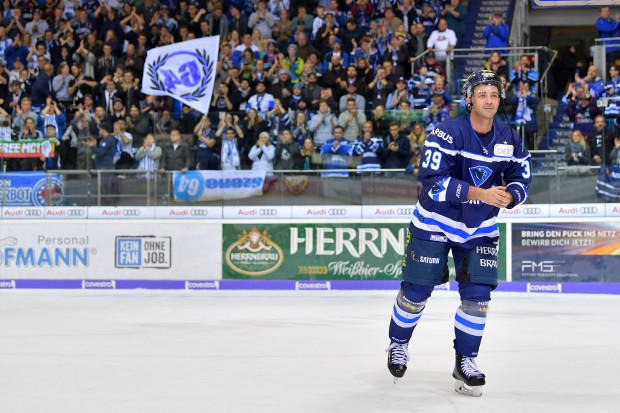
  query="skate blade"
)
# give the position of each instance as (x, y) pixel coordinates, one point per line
(462, 388)
(396, 380)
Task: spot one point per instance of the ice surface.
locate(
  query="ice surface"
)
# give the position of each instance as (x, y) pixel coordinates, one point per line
(288, 351)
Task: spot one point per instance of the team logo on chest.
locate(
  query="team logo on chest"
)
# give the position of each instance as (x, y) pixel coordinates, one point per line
(479, 174)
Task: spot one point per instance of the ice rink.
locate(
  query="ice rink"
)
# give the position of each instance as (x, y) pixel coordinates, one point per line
(288, 351)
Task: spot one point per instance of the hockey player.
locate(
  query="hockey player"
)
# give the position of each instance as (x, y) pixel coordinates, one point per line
(470, 167)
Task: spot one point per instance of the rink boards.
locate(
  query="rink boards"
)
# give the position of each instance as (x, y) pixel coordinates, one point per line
(543, 249)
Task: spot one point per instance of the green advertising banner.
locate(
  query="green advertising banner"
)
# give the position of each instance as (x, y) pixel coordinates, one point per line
(325, 251)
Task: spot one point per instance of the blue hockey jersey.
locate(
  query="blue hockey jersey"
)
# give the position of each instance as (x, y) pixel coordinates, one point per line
(453, 159)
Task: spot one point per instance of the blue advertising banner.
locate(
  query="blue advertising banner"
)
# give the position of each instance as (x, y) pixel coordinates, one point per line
(31, 189)
(217, 185)
(586, 252)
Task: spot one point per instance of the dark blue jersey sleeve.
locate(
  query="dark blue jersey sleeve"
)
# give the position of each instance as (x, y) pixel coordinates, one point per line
(437, 166)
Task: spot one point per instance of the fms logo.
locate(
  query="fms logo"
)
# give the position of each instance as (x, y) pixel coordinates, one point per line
(254, 254)
(146, 251)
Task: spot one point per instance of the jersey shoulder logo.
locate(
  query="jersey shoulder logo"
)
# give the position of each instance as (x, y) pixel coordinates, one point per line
(479, 174)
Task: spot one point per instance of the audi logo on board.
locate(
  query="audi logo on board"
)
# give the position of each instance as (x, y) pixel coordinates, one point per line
(337, 211)
(131, 212)
(198, 212)
(404, 211)
(75, 212)
(531, 211)
(588, 210)
(32, 213)
(267, 212)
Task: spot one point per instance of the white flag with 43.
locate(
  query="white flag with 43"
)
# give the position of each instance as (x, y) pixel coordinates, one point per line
(184, 71)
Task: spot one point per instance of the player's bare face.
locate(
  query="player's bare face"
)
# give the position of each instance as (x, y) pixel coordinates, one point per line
(485, 102)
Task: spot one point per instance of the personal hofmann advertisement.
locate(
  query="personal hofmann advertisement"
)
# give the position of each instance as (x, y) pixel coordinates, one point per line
(318, 251)
(566, 252)
(110, 250)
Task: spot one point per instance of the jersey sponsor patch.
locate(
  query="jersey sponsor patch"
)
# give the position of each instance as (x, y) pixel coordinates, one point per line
(479, 174)
(503, 150)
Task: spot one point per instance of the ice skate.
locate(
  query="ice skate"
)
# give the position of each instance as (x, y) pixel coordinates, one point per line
(398, 356)
(469, 379)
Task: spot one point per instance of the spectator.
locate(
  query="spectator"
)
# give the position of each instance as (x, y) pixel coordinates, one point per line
(41, 88)
(312, 91)
(577, 150)
(230, 158)
(600, 141)
(30, 133)
(433, 67)
(606, 27)
(496, 33)
(22, 112)
(398, 54)
(330, 64)
(251, 126)
(207, 147)
(262, 19)
(428, 18)
(497, 64)
(523, 72)
(165, 124)
(439, 87)
(148, 154)
(303, 17)
(124, 142)
(614, 156)
(417, 137)
(262, 102)
(380, 121)
(417, 41)
(351, 121)
(335, 153)
(593, 81)
(369, 147)
(176, 155)
(60, 85)
(104, 153)
(48, 161)
(421, 84)
(322, 124)
(282, 89)
(380, 88)
(327, 96)
(51, 114)
(310, 158)
(15, 51)
(442, 41)
(524, 103)
(287, 153)
(238, 21)
(129, 89)
(582, 110)
(74, 153)
(398, 149)
(278, 119)
(398, 96)
(352, 93)
(437, 111)
(218, 21)
(81, 85)
(300, 129)
(292, 63)
(455, 14)
(138, 126)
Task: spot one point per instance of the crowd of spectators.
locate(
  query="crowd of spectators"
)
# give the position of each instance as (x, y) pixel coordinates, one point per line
(312, 84)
